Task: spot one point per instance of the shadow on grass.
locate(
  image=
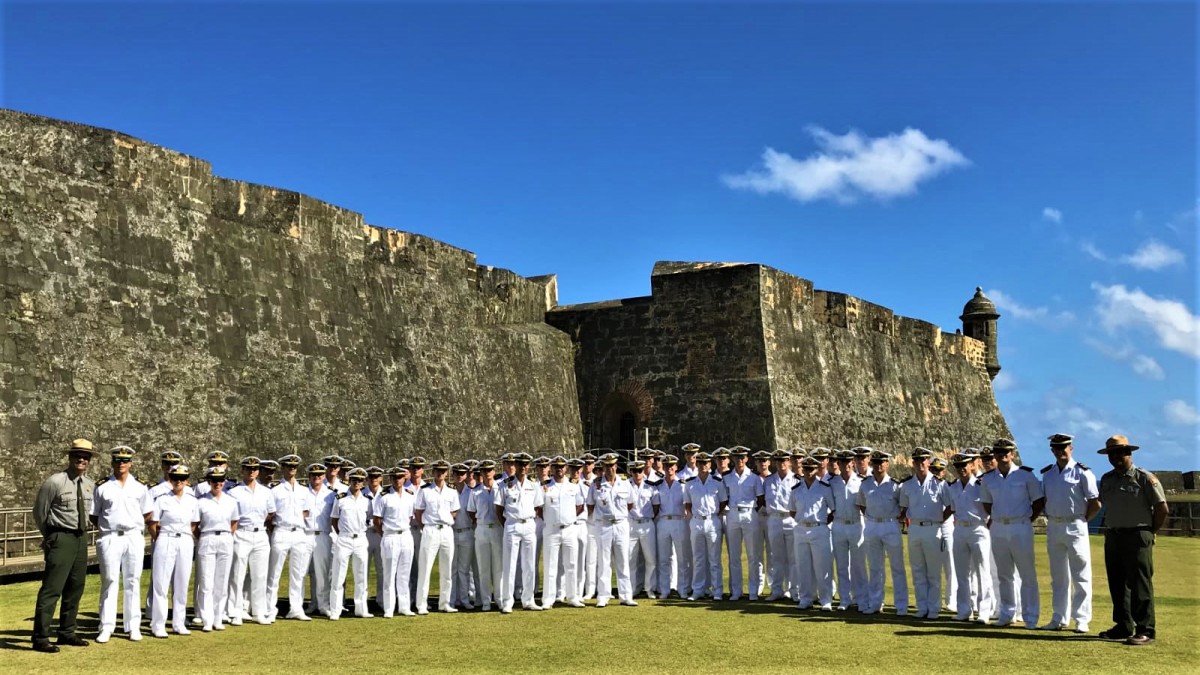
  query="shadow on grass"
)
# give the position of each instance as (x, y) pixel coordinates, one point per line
(907, 626)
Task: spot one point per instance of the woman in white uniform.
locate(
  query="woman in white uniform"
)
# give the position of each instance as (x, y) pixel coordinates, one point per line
(173, 526)
(350, 517)
(214, 553)
(392, 512)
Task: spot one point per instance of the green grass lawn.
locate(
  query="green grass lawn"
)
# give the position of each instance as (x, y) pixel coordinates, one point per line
(658, 636)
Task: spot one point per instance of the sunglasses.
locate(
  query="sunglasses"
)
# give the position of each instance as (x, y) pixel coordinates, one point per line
(178, 479)
(122, 460)
(216, 480)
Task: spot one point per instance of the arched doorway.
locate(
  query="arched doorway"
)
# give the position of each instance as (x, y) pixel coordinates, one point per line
(618, 422)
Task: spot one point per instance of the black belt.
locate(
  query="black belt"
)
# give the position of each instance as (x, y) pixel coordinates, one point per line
(171, 534)
(54, 529)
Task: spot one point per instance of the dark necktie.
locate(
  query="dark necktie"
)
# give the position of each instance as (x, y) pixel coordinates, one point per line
(81, 512)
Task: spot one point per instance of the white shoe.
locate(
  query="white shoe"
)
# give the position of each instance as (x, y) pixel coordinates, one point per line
(575, 603)
(263, 621)
(218, 626)
(1053, 625)
(534, 607)
(135, 635)
(982, 621)
(602, 603)
(406, 612)
(334, 617)
(422, 612)
(182, 631)
(103, 636)
(629, 603)
(1081, 627)
(160, 634)
(235, 621)
(366, 615)
(450, 610)
(206, 629)
(387, 615)
(300, 617)
(197, 621)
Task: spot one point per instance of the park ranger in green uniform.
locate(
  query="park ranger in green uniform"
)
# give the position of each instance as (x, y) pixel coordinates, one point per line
(1135, 509)
(61, 513)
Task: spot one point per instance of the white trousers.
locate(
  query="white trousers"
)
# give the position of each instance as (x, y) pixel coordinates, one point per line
(973, 567)
(520, 541)
(814, 559)
(121, 559)
(1070, 571)
(950, 594)
(707, 577)
(560, 549)
(171, 567)
(464, 591)
(251, 553)
(214, 558)
(297, 546)
(437, 544)
(375, 558)
(613, 553)
(884, 539)
(319, 569)
(781, 545)
(764, 555)
(669, 532)
(349, 552)
(1012, 544)
(743, 533)
(925, 547)
(591, 547)
(850, 562)
(396, 553)
(643, 546)
(489, 557)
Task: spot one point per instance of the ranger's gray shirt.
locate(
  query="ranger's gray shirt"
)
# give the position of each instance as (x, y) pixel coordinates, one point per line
(1129, 497)
(56, 505)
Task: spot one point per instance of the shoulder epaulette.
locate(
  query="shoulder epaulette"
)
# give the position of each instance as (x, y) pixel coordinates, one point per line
(574, 480)
(510, 480)
(340, 494)
(1083, 466)
(987, 472)
(687, 480)
(546, 482)
(904, 480)
(1025, 468)
(389, 491)
(427, 485)
(862, 475)
(1047, 468)
(726, 472)
(715, 476)
(798, 484)
(273, 484)
(655, 483)
(825, 483)
(102, 481)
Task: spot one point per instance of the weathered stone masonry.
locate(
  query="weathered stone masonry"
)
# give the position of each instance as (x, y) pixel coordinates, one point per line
(147, 301)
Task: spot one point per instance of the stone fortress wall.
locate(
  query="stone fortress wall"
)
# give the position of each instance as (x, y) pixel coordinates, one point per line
(144, 300)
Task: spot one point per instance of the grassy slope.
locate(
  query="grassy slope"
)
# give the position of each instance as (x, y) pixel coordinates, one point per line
(664, 636)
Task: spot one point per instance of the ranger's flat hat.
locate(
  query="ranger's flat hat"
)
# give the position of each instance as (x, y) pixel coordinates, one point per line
(214, 472)
(121, 452)
(1061, 439)
(922, 453)
(1003, 445)
(82, 445)
(1117, 443)
(179, 471)
(691, 447)
(170, 457)
(217, 457)
(251, 462)
(316, 468)
(292, 460)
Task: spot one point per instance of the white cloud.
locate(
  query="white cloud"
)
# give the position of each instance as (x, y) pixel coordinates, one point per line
(1010, 306)
(1147, 367)
(1153, 255)
(1141, 364)
(1181, 412)
(1170, 320)
(1090, 249)
(1052, 214)
(1005, 381)
(850, 166)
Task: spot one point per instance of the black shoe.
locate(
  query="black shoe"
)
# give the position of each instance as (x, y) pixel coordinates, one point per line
(44, 646)
(1140, 640)
(72, 641)
(1114, 633)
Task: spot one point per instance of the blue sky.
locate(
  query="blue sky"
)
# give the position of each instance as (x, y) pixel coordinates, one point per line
(901, 152)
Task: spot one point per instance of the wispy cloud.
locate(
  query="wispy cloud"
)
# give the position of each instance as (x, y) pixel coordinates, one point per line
(1170, 320)
(1151, 255)
(850, 166)
(1181, 412)
(1009, 305)
(1145, 366)
(1052, 214)
(1005, 381)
